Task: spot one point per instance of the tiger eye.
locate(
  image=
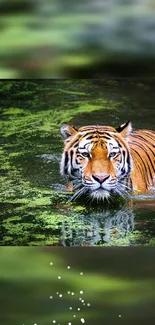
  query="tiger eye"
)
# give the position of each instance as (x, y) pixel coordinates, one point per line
(112, 154)
(85, 154)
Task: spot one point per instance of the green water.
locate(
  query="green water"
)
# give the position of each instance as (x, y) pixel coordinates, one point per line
(35, 207)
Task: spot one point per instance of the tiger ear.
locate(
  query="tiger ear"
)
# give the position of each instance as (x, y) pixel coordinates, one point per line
(67, 131)
(125, 129)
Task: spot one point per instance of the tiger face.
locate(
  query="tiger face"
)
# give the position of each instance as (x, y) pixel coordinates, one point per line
(97, 159)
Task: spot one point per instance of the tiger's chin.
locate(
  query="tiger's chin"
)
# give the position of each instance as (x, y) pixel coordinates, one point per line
(99, 194)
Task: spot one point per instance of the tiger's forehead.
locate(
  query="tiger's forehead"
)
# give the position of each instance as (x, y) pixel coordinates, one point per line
(91, 140)
(96, 128)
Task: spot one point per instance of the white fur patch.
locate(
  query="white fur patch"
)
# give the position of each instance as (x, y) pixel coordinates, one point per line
(100, 194)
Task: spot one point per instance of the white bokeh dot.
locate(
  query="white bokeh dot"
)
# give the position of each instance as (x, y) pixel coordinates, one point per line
(82, 320)
(120, 315)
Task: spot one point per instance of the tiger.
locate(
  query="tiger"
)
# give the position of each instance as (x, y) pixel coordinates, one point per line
(103, 161)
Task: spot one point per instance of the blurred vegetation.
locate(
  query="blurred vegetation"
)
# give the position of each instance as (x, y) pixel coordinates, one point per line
(114, 281)
(47, 39)
(34, 203)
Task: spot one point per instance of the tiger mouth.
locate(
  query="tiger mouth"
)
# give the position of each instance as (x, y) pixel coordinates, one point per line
(99, 188)
(100, 191)
(100, 194)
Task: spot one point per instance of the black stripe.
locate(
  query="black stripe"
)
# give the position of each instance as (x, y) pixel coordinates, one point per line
(143, 148)
(66, 163)
(145, 167)
(71, 156)
(119, 144)
(122, 168)
(91, 137)
(87, 134)
(94, 133)
(107, 136)
(82, 148)
(146, 140)
(147, 134)
(142, 169)
(128, 161)
(76, 144)
(130, 184)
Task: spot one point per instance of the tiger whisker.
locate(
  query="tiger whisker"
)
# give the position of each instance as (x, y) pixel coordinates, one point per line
(125, 186)
(76, 181)
(121, 191)
(77, 186)
(78, 194)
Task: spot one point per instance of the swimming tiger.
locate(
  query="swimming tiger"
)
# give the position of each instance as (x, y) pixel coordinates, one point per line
(103, 161)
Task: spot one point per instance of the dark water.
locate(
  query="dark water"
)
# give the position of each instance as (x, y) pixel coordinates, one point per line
(35, 208)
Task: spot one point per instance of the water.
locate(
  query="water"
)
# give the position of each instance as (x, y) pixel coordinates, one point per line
(35, 207)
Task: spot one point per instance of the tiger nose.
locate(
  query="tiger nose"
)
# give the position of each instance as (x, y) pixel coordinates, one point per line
(100, 178)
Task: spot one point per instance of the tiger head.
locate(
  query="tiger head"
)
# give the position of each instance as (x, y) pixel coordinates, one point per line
(97, 159)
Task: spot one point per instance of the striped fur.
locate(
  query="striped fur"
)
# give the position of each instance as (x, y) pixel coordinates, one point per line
(103, 161)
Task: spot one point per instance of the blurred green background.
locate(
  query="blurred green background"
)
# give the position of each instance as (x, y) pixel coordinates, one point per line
(118, 283)
(56, 38)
